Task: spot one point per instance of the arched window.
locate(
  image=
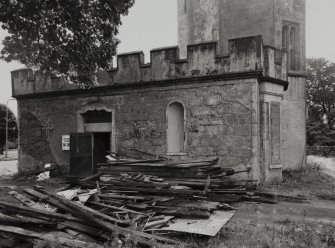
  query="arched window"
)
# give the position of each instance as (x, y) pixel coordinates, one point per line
(284, 37)
(175, 129)
(290, 43)
(292, 51)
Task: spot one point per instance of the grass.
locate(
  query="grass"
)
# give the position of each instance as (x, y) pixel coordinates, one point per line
(285, 235)
(311, 182)
(245, 235)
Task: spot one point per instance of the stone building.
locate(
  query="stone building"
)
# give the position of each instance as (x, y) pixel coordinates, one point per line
(233, 89)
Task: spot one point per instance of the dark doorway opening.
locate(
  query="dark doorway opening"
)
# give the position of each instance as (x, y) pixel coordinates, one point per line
(101, 148)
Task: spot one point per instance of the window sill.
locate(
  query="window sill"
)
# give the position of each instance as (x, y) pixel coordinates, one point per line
(176, 154)
(276, 166)
(297, 73)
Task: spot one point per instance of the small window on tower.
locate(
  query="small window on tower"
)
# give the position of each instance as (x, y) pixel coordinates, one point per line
(290, 43)
(292, 49)
(185, 6)
(284, 37)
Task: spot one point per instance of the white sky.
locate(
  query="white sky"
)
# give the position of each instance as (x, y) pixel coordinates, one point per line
(153, 24)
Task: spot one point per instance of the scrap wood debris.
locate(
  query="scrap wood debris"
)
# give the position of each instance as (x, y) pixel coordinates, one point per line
(132, 202)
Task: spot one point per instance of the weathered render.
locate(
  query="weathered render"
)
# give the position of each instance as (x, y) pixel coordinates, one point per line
(281, 23)
(224, 100)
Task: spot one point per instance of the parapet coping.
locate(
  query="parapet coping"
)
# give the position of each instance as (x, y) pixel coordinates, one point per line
(160, 83)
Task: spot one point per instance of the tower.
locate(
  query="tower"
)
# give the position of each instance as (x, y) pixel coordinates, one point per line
(282, 25)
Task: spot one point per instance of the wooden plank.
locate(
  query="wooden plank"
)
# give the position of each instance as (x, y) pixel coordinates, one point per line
(158, 222)
(91, 178)
(134, 162)
(93, 216)
(68, 209)
(23, 221)
(44, 198)
(208, 182)
(92, 231)
(182, 212)
(139, 206)
(116, 208)
(202, 205)
(69, 193)
(19, 208)
(124, 197)
(26, 201)
(65, 187)
(47, 237)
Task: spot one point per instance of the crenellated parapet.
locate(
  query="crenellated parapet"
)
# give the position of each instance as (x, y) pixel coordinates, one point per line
(246, 55)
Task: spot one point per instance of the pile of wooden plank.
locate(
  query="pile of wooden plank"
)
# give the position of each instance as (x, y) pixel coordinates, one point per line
(130, 203)
(74, 224)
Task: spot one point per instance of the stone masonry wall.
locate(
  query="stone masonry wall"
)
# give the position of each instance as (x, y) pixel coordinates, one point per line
(204, 21)
(220, 121)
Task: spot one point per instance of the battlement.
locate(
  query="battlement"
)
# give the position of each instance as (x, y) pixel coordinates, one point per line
(246, 54)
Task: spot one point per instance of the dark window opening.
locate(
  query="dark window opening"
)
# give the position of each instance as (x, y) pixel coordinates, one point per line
(290, 45)
(292, 49)
(97, 117)
(284, 37)
(101, 147)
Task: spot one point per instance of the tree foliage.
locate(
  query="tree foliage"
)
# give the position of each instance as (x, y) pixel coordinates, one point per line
(69, 38)
(12, 127)
(321, 102)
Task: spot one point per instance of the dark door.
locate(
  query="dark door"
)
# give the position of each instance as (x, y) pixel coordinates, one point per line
(101, 146)
(81, 150)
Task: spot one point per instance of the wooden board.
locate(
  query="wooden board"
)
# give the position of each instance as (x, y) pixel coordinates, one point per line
(26, 201)
(209, 227)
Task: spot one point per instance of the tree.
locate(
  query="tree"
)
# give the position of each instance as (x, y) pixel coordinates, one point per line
(321, 102)
(69, 38)
(12, 127)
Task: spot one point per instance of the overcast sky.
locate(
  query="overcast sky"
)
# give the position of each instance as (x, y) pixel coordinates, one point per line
(153, 23)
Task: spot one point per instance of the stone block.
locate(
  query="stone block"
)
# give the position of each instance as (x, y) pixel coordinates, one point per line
(243, 130)
(213, 100)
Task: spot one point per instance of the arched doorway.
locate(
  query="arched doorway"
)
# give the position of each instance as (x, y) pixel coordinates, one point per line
(176, 128)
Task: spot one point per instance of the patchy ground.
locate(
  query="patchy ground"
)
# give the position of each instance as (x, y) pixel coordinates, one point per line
(11, 155)
(327, 164)
(287, 224)
(8, 166)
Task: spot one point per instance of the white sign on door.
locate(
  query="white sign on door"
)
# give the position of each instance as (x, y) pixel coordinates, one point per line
(66, 142)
